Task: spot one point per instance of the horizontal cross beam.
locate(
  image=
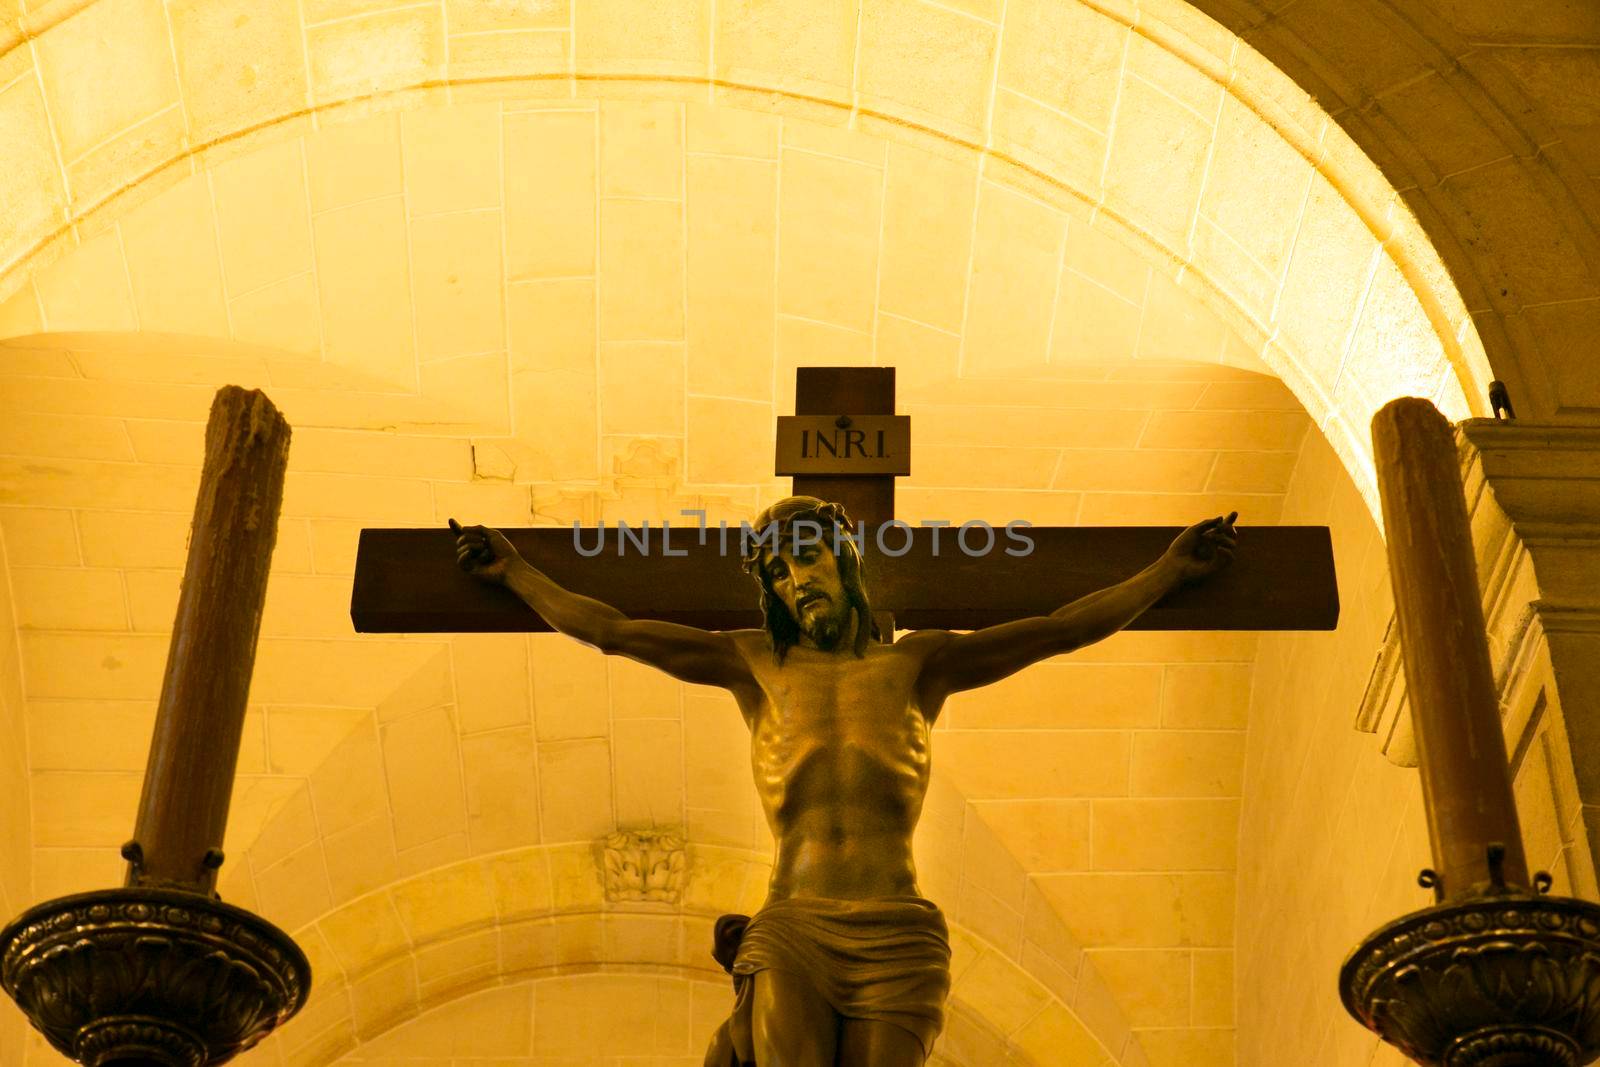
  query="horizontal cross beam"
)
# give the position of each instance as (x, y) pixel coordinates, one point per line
(1283, 579)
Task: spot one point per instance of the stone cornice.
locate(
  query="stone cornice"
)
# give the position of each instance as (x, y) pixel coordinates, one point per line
(1562, 620)
(1505, 435)
(1497, 458)
(1546, 477)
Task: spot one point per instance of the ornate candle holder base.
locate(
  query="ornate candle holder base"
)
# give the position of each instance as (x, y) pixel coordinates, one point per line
(157, 977)
(1508, 979)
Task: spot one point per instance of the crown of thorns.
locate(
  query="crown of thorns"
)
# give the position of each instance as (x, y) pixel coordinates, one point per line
(827, 514)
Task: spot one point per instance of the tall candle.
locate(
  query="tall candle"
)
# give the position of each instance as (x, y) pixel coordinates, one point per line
(1466, 785)
(195, 748)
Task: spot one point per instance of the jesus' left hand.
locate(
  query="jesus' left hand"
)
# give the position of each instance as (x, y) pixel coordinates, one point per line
(1204, 548)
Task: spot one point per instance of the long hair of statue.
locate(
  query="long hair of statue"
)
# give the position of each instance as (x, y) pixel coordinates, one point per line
(783, 629)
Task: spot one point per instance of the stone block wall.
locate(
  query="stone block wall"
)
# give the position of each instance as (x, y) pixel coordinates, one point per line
(1332, 830)
(16, 870)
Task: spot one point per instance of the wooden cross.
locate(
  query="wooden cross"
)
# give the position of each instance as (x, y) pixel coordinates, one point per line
(1283, 578)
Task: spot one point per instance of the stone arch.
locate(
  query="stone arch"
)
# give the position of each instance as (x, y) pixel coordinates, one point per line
(387, 944)
(1471, 112)
(568, 1013)
(1216, 103)
(431, 939)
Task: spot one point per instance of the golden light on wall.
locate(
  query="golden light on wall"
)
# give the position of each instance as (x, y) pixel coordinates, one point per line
(560, 265)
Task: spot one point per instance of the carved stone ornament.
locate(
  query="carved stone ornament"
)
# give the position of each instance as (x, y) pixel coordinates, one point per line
(153, 976)
(1504, 980)
(644, 865)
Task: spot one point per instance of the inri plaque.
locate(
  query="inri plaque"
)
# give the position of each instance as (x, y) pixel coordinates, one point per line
(844, 444)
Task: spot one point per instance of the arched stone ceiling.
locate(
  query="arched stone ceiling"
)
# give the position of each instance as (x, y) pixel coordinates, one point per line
(1192, 174)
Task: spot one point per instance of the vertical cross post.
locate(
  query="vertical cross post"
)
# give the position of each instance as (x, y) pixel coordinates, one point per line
(867, 498)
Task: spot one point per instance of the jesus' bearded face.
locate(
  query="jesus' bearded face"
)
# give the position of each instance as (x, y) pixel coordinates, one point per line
(807, 580)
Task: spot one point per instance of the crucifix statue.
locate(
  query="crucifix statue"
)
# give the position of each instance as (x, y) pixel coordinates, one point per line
(846, 963)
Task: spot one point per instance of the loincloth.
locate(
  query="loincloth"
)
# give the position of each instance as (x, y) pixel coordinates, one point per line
(886, 960)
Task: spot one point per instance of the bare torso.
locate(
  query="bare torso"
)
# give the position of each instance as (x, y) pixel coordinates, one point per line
(840, 752)
(839, 742)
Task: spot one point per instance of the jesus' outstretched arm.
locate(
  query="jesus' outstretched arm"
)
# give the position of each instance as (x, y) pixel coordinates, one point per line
(955, 662)
(688, 653)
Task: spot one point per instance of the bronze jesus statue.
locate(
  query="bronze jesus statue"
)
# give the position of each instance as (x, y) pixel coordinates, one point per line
(846, 963)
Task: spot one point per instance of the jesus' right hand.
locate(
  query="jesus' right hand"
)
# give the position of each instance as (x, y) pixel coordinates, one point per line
(482, 552)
